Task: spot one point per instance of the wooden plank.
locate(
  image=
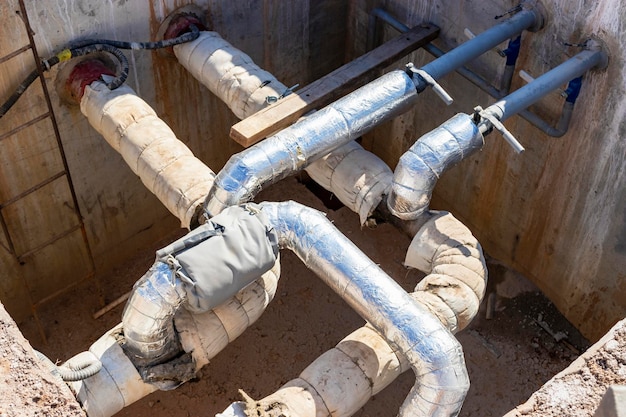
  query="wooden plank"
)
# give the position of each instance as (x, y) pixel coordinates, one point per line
(330, 87)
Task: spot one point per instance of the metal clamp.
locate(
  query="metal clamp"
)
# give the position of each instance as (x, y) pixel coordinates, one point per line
(438, 89)
(274, 99)
(497, 124)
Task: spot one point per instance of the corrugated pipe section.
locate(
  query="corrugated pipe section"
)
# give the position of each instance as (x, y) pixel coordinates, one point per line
(295, 147)
(165, 165)
(434, 354)
(229, 73)
(421, 166)
(119, 384)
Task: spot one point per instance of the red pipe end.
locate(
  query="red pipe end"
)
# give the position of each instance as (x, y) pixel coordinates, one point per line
(83, 74)
(180, 25)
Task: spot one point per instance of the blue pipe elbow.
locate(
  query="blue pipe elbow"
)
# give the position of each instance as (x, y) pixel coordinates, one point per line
(573, 89)
(512, 50)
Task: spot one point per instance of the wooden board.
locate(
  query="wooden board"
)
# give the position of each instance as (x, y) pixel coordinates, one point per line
(330, 87)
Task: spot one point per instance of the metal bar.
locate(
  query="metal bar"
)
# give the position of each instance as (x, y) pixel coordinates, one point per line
(24, 126)
(478, 81)
(14, 53)
(482, 43)
(47, 243)
(551, 80)
(32, 189)
(57, 135)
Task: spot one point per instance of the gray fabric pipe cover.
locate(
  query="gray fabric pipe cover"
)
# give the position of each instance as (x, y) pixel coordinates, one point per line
(216, 260)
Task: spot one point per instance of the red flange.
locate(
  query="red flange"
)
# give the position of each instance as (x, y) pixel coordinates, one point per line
(180, 24)
(83, 74)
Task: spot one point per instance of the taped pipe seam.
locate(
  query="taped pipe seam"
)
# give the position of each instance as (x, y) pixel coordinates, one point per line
(357, 177)
(295, 147)
(342, 380)
(434, 354)
(200, 271)
(421, 166)
(204, 335)
(229, 73)
(164, 164)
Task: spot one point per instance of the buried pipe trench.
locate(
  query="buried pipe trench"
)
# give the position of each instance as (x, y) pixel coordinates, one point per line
(448, 404)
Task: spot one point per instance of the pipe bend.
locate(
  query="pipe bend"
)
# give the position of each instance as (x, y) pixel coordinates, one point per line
(309, 139)
(421, 166)
(436, 357)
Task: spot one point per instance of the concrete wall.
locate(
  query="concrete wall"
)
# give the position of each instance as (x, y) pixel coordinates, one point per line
(556, 213)
(120, 215)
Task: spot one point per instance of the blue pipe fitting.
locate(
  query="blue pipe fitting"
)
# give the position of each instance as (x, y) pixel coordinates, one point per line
(573, 89)
(512, 50)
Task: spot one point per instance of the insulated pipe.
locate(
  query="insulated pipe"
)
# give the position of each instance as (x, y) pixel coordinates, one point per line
(434, 354)
(119, 384)
(364, 363)
(295, 147)
(421, 166)
(230, 74)
(356, 176)
(165, 165)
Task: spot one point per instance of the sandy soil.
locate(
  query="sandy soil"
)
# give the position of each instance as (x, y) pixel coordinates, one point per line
(509, 356)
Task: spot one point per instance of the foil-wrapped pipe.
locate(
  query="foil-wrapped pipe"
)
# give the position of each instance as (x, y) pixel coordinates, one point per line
(229, 73)
(357, 177)
(421, 166)
(297, 146)
(204, 335)
(434, 354)
(164, 164)
(149, 313)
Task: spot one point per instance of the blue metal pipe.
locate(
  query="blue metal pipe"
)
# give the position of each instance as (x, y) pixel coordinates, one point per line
(551, 80)
(477, 46)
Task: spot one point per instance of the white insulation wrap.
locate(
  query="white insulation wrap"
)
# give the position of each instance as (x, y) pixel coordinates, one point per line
(119, 384)
(338, 383)
(356, 176)
(206, 334)
(165, 165)
(455, 285)
(434, 354)
(229, 73)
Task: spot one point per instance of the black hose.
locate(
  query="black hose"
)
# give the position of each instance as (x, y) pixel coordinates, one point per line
(121, 58)
(166, 43)
(89, 46)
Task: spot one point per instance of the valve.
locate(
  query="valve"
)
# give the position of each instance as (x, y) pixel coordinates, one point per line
(485, 117)
(427, 79)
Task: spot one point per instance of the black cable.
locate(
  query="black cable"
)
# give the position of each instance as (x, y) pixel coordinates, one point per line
(124, 67)
(89, 46)
(166, 43)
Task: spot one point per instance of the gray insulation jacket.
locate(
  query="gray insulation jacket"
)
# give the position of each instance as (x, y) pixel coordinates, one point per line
(222, 256)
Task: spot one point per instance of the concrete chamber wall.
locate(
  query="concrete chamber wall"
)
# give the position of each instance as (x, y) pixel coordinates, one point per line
(120, 215)
(556, 213)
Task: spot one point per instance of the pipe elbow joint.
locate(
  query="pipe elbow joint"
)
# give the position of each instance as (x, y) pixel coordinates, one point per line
(421, 166)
